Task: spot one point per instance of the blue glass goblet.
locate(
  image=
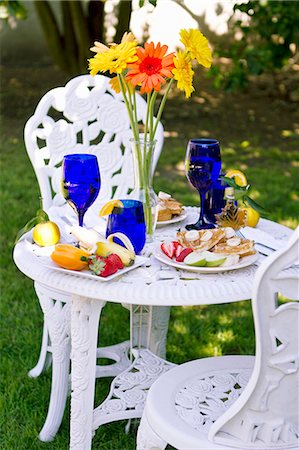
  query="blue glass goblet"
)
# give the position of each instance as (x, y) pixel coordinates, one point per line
(81, 182)
(203, 165)
(130, 221)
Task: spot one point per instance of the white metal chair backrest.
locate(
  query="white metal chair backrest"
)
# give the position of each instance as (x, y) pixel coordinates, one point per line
(266, 414)
(84, 116)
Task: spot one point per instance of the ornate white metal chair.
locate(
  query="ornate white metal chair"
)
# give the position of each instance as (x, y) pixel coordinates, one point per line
(237, 401)
(84, 116)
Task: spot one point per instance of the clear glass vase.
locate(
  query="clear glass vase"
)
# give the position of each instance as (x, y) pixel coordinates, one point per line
(142, 152)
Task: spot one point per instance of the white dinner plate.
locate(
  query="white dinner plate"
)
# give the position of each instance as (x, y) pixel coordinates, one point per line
(139, 261)
(175, 219)
(244, 262)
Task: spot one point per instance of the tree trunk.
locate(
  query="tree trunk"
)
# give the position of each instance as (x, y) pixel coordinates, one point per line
(51, 32)
(96, 20)
(81, 31)
(70, 45)
(124, 18)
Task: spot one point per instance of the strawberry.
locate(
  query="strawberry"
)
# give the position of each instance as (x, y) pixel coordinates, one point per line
(178, 250)
(176, 244)
(168, 249)
(103, 267)
(115, 259)
(183, 254)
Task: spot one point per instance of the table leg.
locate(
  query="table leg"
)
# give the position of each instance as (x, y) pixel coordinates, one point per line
(85, 316)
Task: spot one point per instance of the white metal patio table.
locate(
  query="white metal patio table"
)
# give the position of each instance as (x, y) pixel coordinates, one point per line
(147, 286)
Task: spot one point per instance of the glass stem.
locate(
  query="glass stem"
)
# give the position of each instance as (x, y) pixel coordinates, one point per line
(80, 217)
(202, 203)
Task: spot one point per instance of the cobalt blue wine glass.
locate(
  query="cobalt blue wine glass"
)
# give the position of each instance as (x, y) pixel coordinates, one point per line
(128, 220)
(81, 182)
(203, 165)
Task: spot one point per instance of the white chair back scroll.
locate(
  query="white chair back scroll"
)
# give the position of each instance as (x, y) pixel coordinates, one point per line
(237, 402)
(84, 116)
(267, 412)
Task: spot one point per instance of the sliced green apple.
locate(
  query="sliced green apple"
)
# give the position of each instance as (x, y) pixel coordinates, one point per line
(196, 259)
(214, 259)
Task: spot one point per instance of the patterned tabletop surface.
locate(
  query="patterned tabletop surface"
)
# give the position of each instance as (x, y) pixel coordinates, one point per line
(155, 283)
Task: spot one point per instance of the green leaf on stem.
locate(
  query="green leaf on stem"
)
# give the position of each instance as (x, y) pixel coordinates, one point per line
(30, 224)
(255, 205)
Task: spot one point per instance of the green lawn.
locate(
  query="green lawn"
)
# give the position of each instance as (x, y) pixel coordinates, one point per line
(258, 134)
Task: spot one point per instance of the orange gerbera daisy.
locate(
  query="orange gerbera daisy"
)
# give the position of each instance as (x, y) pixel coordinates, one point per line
(151, 67)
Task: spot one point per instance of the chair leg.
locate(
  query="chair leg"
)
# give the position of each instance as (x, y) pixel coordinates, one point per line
(57, 320)
(147, 439)
(45, 358)
(58, 396)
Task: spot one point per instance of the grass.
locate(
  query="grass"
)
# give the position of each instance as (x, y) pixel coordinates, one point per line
(258, 134)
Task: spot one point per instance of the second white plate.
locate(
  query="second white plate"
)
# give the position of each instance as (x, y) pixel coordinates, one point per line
(247, 261)
(173, 220)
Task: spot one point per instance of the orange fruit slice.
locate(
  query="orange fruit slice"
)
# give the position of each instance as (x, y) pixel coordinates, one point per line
(238, 176)
(109, 206)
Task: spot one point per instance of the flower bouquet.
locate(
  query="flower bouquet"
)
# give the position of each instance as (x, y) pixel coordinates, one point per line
(149, 70)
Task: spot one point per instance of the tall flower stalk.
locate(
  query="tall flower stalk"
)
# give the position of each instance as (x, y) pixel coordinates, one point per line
(148, 69)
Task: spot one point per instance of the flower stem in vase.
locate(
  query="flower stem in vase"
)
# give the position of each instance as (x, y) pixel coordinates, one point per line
(142, 152)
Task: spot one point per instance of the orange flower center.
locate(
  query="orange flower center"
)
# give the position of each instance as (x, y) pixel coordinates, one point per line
(151, 65)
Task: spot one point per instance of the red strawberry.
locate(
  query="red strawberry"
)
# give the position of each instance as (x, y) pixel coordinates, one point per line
(168, 249)
(115, 259)
(178, 250)
(176, 244)
(183, 254)
(102, 266)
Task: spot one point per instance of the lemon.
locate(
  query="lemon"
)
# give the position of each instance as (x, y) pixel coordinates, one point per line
(239, 177)
(46, 234)
(109, 206)
(253, 216)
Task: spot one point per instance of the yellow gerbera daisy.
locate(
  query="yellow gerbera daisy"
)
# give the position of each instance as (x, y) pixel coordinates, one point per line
(197, 44)
(183, 72)
(115, 59)
(114, 83)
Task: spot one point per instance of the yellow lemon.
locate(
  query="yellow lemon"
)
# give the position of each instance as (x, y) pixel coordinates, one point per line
(238, 176)
(46, 234)
(109, 206)
(253, 216)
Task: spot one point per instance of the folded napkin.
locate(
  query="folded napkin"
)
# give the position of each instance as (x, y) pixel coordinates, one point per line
(262, 238)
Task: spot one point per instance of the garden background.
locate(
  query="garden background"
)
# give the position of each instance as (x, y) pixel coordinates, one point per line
(249, 101)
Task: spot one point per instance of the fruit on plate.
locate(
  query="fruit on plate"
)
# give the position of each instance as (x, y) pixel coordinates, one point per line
(238, 176)
(253, 217)
(213, 259)
(104, 267)
(109, 207)
(196, 259)
(106, 248)
(182, 255)
(231, 260)
(45, 232)
(87, 238)
(70, 257)
(169, 249)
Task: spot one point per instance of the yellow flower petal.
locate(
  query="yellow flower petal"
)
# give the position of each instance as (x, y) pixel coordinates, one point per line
(197, 44)
(99, 47)
(183, 72)
(115, 59)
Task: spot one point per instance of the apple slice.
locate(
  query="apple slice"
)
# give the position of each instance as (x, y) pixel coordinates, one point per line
(214, 259)
(231, 260)
(195, 259)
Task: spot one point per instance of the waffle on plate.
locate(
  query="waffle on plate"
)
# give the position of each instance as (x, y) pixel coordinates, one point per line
(168, 207)
(217, 240)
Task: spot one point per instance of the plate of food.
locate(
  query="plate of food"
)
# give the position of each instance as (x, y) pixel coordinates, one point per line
(169, 210)
(207, 251)
(139, 261)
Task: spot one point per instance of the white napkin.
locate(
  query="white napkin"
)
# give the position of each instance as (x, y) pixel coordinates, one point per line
(260, 237)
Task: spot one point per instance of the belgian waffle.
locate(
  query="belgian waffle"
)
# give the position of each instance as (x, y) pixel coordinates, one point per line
(217, 243)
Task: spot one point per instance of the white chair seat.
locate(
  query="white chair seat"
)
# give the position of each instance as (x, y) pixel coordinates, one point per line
(184, 402)
(217, 403)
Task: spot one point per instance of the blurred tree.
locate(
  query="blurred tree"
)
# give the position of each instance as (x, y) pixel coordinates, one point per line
(265, 39)
(83, 22)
